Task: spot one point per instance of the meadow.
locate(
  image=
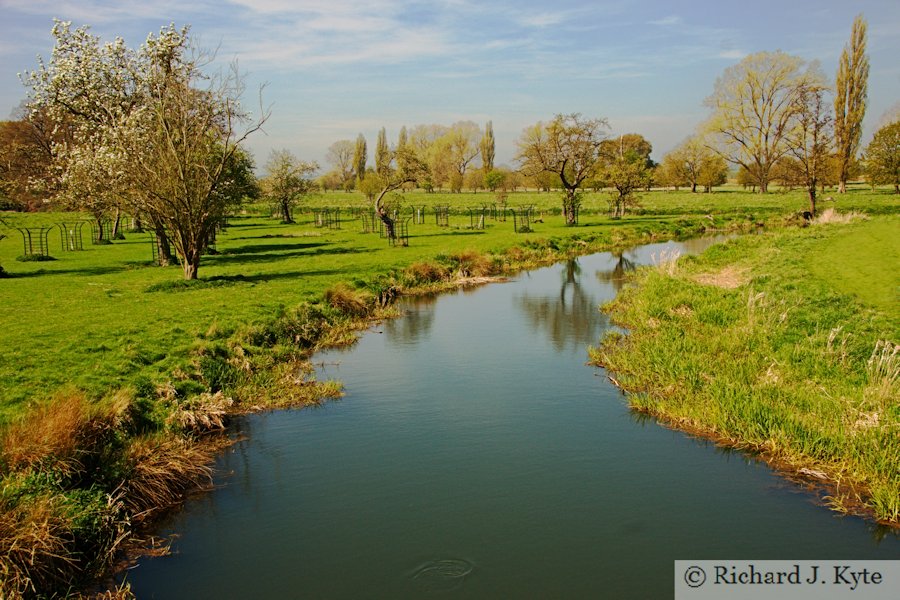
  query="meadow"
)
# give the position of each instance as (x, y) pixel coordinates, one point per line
(782, 343)
(89, 318)
(114, 371)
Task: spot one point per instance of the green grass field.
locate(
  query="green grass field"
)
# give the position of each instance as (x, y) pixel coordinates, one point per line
(113, 371)
(785, 343)
(87, 318)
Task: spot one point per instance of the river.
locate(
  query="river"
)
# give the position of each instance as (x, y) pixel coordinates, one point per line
(476, 455)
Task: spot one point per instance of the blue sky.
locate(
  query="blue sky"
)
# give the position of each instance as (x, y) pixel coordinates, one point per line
(336, 68)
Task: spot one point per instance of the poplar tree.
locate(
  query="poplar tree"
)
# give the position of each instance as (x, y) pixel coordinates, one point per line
(850, 100)
(359, 157)
(488, 148)
(382, 153)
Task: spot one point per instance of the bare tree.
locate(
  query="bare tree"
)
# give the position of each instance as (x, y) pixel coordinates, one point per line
(754, 104)
(287, 180)
(810, 138)
(569, 147)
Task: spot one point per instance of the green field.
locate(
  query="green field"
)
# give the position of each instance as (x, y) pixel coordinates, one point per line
(87, 318)
(113, 371)
(784, 343)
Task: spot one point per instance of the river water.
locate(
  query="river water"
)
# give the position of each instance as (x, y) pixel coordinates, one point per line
(475, 455)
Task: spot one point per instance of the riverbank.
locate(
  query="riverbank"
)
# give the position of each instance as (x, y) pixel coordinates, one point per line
(88, 469)
(84, 476)
(783, 344)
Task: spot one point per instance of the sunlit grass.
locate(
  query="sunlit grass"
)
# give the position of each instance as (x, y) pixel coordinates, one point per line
(790, 361)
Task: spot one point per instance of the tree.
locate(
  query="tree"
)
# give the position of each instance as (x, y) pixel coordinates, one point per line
(627, 174)
(687, 161)
(754, 104)
(851, 87)
(882, 156)
(488, 148)
(494, 179)
(340, 156)
(151, 126)
(713, 171)
(359, 157)
(382, 153)
(405, 167)
(810, 138)
(568, 147)
(287, 180)
(25, 158)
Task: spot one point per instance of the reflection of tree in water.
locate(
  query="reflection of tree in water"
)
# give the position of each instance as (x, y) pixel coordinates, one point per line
(616, 275)
(571, 318)
(415, 322)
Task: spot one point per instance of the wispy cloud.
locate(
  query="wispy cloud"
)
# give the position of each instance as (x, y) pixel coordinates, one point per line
(732, 54)
(668, 21)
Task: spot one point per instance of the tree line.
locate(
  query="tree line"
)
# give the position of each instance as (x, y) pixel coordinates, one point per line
(157, 132)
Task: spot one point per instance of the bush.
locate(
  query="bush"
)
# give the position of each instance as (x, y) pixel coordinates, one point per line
(421, 273)
(347, 301)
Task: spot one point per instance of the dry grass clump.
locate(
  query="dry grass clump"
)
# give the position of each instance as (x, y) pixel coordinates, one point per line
(829, 215)
(883, 369)
(34, 540)
(729, 278)
(472, 263)
(347, 300)
(426, 272)
(203, 413)
(160, 472)
(667, 262)
(52, 431)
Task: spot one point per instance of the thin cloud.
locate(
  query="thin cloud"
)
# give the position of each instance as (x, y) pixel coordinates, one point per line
(732, 54)
(668, 21)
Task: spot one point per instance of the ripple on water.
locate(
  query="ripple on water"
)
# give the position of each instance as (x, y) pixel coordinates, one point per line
(442, 575)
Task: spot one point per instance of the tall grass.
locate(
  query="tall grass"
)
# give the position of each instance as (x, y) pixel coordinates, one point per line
(781, 364)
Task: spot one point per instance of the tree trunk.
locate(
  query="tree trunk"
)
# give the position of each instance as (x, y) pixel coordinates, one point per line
(693, 187)
(569, 200)
(842, 186)
(286, 212)
(811, 192)
(116, 223)
(191, 264)
(897, 188)
(165, 248)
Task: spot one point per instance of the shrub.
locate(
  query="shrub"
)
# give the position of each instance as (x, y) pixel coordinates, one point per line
(347, 301)
(422, 273)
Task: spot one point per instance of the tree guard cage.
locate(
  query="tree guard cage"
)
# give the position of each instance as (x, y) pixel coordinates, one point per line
(575, 211)
(500, 209)
(521, 218)
(418, 215)
(401, 232)
(368, 221)
(157, 243)
(101, 231)
(394, 216)
(442, 215)
(477, 216)
(35, 241)
(70, 236)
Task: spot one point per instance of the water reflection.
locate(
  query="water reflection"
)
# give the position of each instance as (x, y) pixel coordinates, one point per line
(626, 260)
(569, 318)
(416, 322)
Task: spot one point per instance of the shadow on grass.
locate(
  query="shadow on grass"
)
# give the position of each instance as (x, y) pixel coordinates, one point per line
(218, 281)
(272, 248)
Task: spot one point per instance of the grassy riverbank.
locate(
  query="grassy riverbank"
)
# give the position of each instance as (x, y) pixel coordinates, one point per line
(115, 375)
(783, 343)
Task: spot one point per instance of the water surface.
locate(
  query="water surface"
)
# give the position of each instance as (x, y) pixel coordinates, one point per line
(475, 455)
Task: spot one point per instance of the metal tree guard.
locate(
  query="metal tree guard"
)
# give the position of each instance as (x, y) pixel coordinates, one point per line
(521, 218)
(401, 233)
(70, 236)
(442, 215)
(35, 241)
(101, 231)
